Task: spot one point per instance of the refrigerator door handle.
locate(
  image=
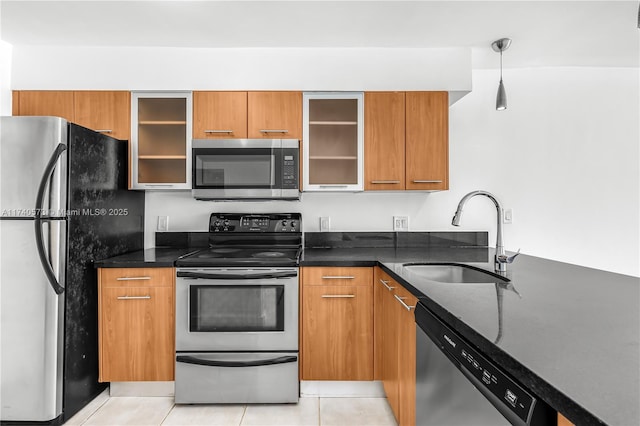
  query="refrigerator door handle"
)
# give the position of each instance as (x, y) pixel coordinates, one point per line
(39, 220)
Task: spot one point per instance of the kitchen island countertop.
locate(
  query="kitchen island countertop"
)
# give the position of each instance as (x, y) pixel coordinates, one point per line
(571, 334)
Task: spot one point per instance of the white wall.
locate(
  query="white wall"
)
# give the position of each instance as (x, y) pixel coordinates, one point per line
(5, 77)
(564, 155)
(564, 158)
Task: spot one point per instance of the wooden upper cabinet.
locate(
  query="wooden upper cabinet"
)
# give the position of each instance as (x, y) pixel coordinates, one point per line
(219, 115)
(108, 112)
(427, 140)
(384, 141)
(276, 115)
(44, 102)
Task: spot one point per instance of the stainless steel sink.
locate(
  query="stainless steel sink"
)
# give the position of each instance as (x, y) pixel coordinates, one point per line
(452, 273)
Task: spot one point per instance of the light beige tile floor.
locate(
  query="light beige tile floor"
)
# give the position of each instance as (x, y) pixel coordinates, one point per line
(156, 411)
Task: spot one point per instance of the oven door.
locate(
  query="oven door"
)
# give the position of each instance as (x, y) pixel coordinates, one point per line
(237, 309)
(245, 168)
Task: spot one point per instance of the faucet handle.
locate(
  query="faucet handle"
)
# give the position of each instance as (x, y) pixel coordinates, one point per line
(503, 258)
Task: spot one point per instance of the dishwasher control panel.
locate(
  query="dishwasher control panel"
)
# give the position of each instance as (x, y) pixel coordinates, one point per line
(478, 369)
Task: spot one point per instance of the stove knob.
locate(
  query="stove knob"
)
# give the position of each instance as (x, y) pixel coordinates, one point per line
(226, 222)
(293, 224)
(216, 223)
(284, 223)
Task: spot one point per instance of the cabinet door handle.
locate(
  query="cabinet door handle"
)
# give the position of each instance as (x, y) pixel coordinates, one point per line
(333, 186)
(338, 296)
(401, 300)
(427, 181)
(338, 277)
(218, 131)
(385, 182)
(104, 131)
(133, 297)
(386, 284)
(132, 278)
(274, 131)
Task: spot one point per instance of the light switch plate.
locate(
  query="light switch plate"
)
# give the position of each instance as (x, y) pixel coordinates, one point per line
(163, 223)
(508, 216)
(401, 223)
(325, 223)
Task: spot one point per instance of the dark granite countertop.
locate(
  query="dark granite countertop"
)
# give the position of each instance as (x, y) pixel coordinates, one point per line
(149, 258)
(571, 334)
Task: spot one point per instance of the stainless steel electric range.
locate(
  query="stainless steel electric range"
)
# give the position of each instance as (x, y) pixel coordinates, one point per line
(237, 312)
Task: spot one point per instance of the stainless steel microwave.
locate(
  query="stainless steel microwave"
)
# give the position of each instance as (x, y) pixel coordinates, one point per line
(245, 169)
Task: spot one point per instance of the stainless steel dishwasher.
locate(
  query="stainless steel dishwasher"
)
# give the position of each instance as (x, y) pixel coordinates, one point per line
(457, 385)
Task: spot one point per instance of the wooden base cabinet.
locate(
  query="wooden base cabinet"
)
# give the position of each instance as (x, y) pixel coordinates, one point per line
(395, 345)
(136, 324)
(337, 323)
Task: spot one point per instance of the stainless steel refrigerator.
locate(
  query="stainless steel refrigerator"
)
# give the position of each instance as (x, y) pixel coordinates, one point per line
(64, 203)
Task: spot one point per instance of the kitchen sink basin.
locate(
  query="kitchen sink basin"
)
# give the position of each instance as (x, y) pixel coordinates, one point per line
(452, 273)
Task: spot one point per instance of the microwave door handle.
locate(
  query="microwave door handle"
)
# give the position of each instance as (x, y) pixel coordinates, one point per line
(213, 276)
(39, 220)
(214, 363)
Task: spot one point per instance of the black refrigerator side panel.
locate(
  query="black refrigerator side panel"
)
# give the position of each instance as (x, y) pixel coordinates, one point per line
(105, 219)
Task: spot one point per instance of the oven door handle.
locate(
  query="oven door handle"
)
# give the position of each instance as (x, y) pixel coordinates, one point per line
(213, 363)
(212, 276)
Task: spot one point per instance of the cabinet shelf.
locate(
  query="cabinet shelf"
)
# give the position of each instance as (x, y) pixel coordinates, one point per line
(162, 157)
(163, 123)
(334, 123)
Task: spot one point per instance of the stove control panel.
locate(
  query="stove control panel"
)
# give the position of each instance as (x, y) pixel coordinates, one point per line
(243, 222)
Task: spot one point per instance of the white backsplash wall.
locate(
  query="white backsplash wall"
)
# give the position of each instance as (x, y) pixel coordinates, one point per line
(564, 156)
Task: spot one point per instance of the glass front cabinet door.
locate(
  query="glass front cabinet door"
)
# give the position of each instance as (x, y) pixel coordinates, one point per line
(161, 140)
(333, 142)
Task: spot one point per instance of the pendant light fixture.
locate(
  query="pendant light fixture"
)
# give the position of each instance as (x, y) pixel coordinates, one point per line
(501, 98)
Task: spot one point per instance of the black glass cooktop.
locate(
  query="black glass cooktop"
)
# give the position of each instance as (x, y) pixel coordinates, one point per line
(241, 256)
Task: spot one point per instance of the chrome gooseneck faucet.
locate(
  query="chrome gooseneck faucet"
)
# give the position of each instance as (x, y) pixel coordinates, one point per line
(501, 259)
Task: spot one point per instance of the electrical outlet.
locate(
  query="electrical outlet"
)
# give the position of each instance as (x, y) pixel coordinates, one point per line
(401, 223)
(508, 216)
(163, 223)
(325, 223)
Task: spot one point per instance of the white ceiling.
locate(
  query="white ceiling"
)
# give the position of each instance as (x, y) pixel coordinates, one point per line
(544, 33)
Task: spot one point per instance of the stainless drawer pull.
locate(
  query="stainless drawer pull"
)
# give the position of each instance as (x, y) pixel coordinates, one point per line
(385, 181)
(401, 300)
(104, 131)
(218, 131)
(132, 278)
(133, 297)
(427, 181)
(274, 131)
(386, 284)
(338, 277)
(338, 296)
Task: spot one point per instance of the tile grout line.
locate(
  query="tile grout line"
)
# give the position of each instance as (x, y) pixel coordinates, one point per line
(319, 411)
(97, 409)
(167, 415)
(244, 411)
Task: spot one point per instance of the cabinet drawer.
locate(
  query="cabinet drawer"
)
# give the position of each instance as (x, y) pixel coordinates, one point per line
(336, 276)
(136, 277)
